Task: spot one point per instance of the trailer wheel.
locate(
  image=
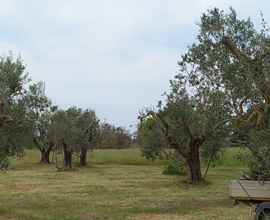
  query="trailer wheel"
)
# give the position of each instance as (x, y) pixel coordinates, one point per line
(265, 177)
(265, 214)
(263, 211)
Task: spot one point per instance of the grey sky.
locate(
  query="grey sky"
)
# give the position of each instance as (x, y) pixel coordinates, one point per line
(114, 56)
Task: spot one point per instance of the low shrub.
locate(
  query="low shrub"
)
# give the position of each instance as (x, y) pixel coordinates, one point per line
(172, 170)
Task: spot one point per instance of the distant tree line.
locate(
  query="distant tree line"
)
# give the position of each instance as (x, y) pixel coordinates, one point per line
(111, 137)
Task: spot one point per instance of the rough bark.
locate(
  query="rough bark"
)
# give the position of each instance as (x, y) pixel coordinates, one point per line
(193, 162)
(233, 48)
(83, 156)
(67, 162)
(90, 131)
(193, 159)
(45, 154)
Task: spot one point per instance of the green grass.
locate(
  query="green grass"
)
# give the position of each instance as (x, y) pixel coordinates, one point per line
(123, 157)
(107, 189)
(227, 158)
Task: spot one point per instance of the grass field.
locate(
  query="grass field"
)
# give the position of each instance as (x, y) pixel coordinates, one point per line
(117, 184)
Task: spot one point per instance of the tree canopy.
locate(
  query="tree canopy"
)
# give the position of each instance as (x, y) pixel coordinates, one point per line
(19, 106)
(223, 81)
(73, 130)
(230, 66)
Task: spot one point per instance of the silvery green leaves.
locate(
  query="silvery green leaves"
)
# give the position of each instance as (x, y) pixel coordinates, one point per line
(227, 71)
(19, 107)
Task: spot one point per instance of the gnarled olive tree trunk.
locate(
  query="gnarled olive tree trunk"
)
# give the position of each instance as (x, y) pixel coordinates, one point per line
(83, 156)
(90, 132)
(193, 159)
(67, 162)
(45, 154)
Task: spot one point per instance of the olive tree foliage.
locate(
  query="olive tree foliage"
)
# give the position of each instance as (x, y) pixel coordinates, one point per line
(231, 61)
(13, 139)
(259, 147)
(19, 106)
(153, 144)
(72, 131)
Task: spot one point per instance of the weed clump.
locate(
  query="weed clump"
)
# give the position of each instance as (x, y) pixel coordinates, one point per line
(172, 170)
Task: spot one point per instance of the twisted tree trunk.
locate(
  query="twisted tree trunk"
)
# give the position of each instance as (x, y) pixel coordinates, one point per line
(194, 166)
(83, 156)
(67, 162)
(90, 131)
(45, 154)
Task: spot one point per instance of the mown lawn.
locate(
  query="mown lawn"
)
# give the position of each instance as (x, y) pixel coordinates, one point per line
(117, 184)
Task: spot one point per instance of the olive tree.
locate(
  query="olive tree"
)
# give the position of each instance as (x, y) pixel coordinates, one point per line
(184, 127)
(87, 134)
(73, 130)
(19, 106)
(41, 138)
(58, 131)
(231, 62)
(224, 76)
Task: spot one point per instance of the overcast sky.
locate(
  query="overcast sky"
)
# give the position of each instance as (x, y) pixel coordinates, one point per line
(114, 56)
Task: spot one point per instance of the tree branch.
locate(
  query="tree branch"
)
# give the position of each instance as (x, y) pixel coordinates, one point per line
(38, 145)
(234, 119)
(261, 116)
(241, 106)
(165, 130)
(190, 132)
(233, 48)
(4, 119)
(2, 108)
(262, 56)
(91, 129)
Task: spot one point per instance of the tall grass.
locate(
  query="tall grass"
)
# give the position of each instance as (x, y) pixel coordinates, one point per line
(125, 157)
(228, 159)
(108, 156)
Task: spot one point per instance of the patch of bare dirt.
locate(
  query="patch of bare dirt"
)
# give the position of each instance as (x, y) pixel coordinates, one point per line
(3, 218)
(157, 217)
